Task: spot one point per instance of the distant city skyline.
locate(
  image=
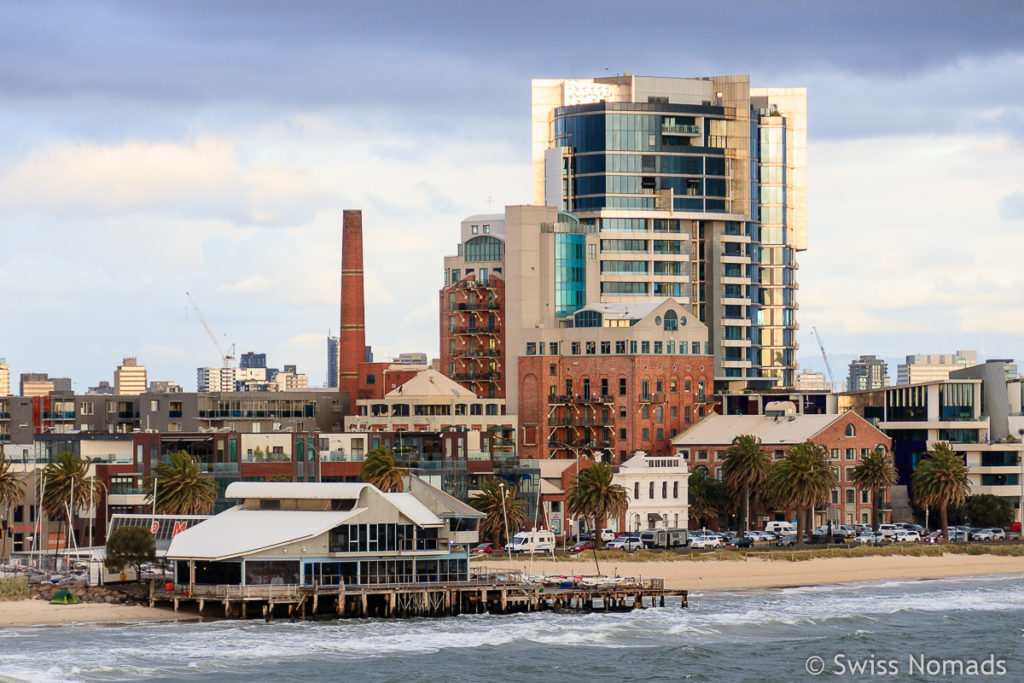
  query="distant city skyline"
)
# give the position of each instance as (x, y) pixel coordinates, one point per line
(151, 150)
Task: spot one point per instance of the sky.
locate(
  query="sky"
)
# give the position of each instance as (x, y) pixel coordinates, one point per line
(152, 149)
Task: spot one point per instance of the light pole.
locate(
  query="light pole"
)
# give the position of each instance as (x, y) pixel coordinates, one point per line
(504, 514)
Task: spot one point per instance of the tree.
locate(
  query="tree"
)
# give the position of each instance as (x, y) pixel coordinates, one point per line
(876, 474)
(707, 498)
(69, 487)
(594, 496)
(379, 469)
(745, 466)
(182, 488)
(801, 480)
(988, 510)
(940, 480)
(11, 491)
(130, 545)
(489, 502)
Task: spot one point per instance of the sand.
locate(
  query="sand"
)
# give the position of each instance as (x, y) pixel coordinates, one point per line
(754, 573)
(41, 612)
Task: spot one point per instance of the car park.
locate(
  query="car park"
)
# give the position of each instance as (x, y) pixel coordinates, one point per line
(740, 542)
(761, 536)
(907, 536)
(581, 546)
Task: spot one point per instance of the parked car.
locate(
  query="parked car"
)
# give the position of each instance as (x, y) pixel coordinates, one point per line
(532, 541)
(786, 540)
(627, 543)
(997, 534)
(608, 535)
(761, 536)
(581, 546)
(778, 527)
(935, 537)
(701, 541)
(907, 536)
(888, 530)
(740, 542)
(871, 537)
(486, 549)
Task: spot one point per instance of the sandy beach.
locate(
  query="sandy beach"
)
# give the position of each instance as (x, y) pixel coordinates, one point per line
(757, 573)
(41, 612)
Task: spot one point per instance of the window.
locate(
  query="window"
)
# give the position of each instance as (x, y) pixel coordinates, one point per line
(487, 229)
(575, 348)
(671, 321)
(591, 348)
(675, 489)
(695, 348)
(646, 434)
(865, 496)
(620, 347)
(645, 347)
(645, 411)
(475, 229)
(552, 348)
(622, 411)
(606, 348)
(672, 386)
(851, 453)
(673, 412)
(659, 434)
(659, 414)
(650, 491)
(531, 349)
(850, 497)
(851, 430)
(604, 386)
(622, 435)
(657, 348)
(686, 386)
(484, 248)
(835, 496)
(622, 386)
(664, 489)
(687, 415)
(553, 370)
(636, 490)
(835, 454)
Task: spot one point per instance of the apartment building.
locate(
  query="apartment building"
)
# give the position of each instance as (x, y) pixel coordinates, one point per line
(130, 378)
(696, 189)
(921, 368)
(868, 372)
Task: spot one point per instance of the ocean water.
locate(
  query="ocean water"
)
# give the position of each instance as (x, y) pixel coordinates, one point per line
(900, 630)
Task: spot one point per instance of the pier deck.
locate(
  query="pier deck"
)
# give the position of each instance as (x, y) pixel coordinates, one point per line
(503, 593)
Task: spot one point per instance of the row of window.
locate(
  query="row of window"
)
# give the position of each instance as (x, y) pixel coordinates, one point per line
(632, 347)
(651, 487)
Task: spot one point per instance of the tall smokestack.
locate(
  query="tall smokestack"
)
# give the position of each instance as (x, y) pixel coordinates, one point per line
(352, 340)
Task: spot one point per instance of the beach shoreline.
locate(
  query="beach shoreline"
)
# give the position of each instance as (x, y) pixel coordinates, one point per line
(753, 573)
(34, 612)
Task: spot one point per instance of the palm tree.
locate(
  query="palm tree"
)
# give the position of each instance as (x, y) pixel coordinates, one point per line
(11, 491)
(497, 502)
(745, 466)
(68, 488)
(379, 469)
(940, 480)
(800, 480)
(876, 474)
(594, 496)
(181, 487)
(701, 498)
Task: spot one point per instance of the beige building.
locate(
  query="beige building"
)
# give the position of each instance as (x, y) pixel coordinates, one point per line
(5, 378)
(932, 367)
(130, 378)
(430, 402)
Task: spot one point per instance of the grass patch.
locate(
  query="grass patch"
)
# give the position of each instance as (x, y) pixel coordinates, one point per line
(14, 588)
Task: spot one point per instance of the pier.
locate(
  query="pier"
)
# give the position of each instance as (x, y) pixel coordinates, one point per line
(494, 593)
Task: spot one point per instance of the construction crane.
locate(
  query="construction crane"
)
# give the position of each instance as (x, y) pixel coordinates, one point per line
(226, 358)
(828, 366)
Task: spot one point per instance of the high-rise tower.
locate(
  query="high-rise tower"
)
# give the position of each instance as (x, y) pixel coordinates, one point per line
(696, 189)
(352, 339)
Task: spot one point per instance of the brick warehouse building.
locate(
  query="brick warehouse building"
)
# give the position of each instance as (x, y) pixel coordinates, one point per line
(847, 437)
(626, 377)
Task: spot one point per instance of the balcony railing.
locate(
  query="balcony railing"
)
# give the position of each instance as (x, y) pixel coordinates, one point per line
(341, 456)
(680, 130)
(657, 397)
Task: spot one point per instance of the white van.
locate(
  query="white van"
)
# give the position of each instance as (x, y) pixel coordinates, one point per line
(780, 528)
(532, 541)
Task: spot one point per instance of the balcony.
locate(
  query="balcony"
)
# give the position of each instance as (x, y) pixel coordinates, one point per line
(592, 398)
(465, 329)
(341, 456)
(684, 129)
(481, 377)
(219, 467)
(658, 397)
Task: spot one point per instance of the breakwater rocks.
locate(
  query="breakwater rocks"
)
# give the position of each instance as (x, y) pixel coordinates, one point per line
(94, 594)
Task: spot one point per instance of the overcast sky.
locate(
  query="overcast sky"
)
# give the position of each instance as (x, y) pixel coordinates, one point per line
(149, 149)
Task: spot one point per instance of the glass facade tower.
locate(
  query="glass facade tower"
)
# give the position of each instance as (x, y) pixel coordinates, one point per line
(697, 188)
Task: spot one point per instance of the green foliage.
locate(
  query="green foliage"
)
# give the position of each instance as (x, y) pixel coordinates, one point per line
(940, 481)
(593, 496)
(876, 474)
(182, 488)
(988, 510)
(11, 491)
(489, 502)
(801, 480)
(708, 498)
(746, 466)
(379, 469)
(68, 485)
(130, 546)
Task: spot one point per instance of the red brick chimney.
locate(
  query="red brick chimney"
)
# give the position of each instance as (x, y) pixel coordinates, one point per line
(352, 342)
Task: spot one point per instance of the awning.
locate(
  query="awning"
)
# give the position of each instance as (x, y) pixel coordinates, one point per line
(653, 517)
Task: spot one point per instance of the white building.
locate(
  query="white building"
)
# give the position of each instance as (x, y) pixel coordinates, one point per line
(808, 380)
(215, 379)
(658, 491)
